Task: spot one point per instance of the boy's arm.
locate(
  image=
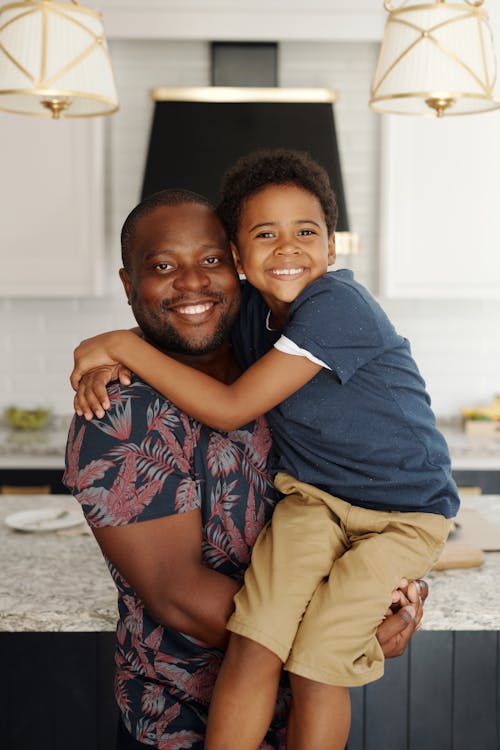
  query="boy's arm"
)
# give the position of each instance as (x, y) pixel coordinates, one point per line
(271, 380)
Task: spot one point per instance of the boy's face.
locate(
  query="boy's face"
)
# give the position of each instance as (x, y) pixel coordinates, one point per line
(282, 242)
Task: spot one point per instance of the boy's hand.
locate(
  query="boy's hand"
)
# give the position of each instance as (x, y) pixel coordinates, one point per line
(95, 352)
(92, 396)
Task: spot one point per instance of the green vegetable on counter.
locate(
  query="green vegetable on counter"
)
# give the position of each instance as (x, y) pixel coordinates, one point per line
(26, 419)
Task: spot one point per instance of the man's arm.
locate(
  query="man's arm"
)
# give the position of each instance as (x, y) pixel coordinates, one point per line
(161, 560)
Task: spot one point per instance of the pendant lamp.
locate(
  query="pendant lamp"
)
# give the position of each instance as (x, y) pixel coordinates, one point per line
(54, 60)
(437, 58)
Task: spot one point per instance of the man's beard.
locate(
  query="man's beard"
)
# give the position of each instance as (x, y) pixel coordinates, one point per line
(164, 336)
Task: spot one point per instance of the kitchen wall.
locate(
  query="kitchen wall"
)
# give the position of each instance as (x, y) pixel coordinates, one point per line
(453, 341)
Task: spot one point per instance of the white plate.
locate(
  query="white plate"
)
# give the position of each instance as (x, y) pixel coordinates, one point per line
(45, 519)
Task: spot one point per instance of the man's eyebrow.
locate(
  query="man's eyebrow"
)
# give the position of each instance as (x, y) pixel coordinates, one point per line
(214, 246)
(172, 251)
(160, 251)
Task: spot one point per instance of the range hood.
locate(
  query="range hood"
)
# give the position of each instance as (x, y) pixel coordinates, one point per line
(198, 133)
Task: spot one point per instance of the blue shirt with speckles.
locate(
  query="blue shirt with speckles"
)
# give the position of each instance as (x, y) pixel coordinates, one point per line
(362, 429)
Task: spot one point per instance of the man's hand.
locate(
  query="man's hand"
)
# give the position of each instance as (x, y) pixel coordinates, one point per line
(92, 396)
(403, 618)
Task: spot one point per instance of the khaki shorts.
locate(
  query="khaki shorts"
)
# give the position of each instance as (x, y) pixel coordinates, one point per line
(321, 578)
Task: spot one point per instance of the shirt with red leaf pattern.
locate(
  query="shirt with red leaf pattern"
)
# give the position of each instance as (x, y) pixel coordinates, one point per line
(144, 460)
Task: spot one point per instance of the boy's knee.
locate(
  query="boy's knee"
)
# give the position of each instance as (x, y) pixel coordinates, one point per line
(247, 654)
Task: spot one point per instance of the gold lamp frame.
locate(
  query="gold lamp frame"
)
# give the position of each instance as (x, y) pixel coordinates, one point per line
(440, 100)
(44, 93)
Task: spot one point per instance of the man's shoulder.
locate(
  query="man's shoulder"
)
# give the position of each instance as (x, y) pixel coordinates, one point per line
(136, 462)
(137, 413)
(140, 400)
(138, 389)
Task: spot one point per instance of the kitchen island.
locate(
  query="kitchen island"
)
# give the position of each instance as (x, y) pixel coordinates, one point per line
(58, 581)
(58, 613)
(57, 617)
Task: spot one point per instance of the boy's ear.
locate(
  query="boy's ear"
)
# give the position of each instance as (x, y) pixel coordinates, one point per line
(127, 284)
(236, 258)
(331, 249)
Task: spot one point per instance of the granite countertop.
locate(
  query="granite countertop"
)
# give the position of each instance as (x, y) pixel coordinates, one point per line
(470, 452)
(34, 449)
(58, 581)
(44, 448)
(467, 599)
(52, 581)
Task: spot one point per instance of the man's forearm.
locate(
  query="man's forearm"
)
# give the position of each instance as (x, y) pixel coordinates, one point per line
(161, 560)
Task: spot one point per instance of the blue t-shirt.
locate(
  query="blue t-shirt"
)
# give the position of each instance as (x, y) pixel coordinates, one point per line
(362, 430)
(144, 460)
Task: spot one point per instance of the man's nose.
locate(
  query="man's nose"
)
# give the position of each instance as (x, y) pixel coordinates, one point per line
(191, 277)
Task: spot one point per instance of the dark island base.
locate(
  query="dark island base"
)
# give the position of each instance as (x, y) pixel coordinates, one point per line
(57, 691)
(57, 694)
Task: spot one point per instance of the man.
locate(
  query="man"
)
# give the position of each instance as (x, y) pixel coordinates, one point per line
(174, 505)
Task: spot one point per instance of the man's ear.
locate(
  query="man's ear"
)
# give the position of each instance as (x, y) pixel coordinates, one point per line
(236, 258)
(331, 249)
(127, 284)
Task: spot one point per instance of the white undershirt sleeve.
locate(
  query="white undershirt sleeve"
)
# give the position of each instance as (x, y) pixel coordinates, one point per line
(287, 346)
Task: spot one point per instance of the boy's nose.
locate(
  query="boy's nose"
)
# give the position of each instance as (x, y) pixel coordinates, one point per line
(287, 247)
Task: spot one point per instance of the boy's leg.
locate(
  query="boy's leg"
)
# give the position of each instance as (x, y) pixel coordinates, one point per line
(336, 641)
(320, 716)
(243, 701)
(291, 557)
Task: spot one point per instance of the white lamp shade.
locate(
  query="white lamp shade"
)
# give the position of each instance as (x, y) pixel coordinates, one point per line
(54, 51)
(436, 51)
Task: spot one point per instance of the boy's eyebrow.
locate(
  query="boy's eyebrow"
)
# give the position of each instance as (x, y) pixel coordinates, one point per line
(273, 223)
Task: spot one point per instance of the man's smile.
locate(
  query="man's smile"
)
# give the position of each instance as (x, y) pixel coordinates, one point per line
(194, 309)
(198, 310)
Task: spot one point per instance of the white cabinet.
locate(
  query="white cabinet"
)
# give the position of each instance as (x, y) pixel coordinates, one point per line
(440, 218)
(52, 206)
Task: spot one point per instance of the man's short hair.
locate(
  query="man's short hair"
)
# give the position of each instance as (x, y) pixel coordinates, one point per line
(169, 197)
(265, 167)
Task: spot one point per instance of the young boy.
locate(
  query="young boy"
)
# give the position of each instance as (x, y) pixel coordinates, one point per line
(365, 472)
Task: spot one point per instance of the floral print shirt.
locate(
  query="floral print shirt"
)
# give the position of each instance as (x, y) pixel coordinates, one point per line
(146, 459)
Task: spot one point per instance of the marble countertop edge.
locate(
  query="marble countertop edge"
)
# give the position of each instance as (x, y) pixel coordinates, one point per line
(57, 583)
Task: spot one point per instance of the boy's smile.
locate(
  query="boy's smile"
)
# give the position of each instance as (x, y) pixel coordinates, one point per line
(283, 244)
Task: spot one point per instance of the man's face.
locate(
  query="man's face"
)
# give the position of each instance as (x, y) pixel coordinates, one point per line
(181, 282)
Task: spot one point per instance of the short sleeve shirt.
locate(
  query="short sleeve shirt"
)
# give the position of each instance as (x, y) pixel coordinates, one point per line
(144, 460)
(362, 429)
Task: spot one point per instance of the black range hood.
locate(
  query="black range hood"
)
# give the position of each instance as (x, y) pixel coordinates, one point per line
(198, 133)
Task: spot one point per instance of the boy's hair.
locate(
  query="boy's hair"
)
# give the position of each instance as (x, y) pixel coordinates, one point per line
(170, 197)
(265, 167)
